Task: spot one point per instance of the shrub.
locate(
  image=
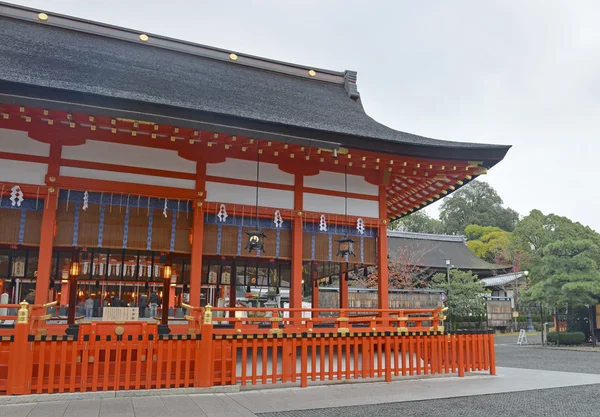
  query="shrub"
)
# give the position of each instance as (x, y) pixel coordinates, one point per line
(567, 338)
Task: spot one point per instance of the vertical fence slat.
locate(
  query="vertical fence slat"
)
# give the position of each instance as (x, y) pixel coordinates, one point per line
(234, 347)
(169, 358)
(293, 361)
(330, 362)
(118, 365)
(188, 363)
(63, 366)
(254, 360)
(304, 362)
(388, 359)
(339, 366)
(72, 387)
(265, 360)
(106, 369)
(348, 361)
(356, 354)
(139, 350)
(244, 360)
(96, 364)
(41, 365)
(150, 380)
(128, 361)
(492, 350)
(274, 355)
(313, 359)
(159, 362)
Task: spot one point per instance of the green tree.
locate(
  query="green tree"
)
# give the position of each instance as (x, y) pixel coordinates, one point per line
(491, 243)
(464, 294)
(418, 222)
(476, 203)
(567, 274)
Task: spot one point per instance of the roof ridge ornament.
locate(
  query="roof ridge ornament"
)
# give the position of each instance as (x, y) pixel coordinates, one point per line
(350, 84)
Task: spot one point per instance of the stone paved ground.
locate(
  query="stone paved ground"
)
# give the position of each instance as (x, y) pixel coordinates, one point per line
(579, 401)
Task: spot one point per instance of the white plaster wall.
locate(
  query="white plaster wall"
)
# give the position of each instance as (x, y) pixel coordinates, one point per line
(129, 155)
(326, 180)
(126, 177)
(18, 142)
(335, 205)
(241, 194)
(246, 170)
(19, 172)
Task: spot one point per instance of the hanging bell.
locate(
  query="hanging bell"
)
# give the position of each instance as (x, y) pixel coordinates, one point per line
(97, 283)
(185, 288)
(146, 286)
(248, 290)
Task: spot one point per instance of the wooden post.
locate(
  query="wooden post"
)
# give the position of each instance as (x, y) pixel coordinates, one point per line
(315, 291)
(20, 356)
(72, 300)
(344, 286)
(197, 234)
(296, 284)
(490, 335)
(233, 289)
(204, 370)
(165, 301)
(382, 254)
(42, 281)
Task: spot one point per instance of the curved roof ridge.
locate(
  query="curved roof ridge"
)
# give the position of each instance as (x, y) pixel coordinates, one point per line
(165, 42)
(426, 236)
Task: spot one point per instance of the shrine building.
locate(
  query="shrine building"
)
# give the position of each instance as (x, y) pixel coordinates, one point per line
(129, 152)
(178, 205)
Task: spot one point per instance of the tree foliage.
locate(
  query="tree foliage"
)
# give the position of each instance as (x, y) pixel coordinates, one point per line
(464, 294)
(418, 222)
(476, 203)
(491, 244)
(567, 274)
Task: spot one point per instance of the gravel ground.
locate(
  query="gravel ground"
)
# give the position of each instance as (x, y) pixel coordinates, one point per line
(548, 359)
(579, 401)
(571, 401)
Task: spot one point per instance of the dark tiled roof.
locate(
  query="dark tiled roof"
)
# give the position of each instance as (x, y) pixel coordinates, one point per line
(326, 107)
(431, 251)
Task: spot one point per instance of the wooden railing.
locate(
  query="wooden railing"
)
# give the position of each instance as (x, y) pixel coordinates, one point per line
(238, 350)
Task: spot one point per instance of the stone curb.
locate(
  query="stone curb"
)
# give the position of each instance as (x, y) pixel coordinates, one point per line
(40, 398)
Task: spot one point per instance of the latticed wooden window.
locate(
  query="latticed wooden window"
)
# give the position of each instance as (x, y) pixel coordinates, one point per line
(65, 218)
(89, 225)
(33, 227)
(161, 231)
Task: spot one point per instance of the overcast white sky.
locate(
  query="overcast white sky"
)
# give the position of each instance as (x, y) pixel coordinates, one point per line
(525, 73)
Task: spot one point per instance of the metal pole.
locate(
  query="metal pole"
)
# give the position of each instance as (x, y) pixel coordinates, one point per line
(530, 327)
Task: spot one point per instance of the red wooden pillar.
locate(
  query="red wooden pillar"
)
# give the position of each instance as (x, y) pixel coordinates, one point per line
(42, 281)
(382, 252)
(197, 237)
(296, 284)
(343, 286)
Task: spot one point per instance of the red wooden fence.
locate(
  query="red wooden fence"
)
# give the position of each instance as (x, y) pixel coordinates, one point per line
(106, 356)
